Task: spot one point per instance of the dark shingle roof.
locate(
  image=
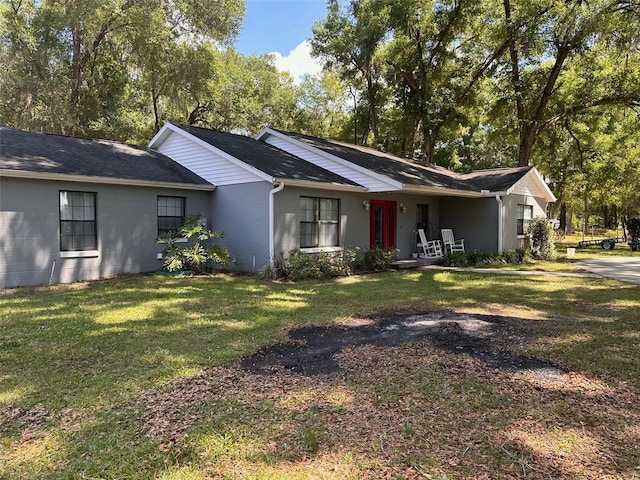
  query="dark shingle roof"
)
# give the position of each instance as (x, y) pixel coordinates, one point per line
(413, 173)
(497, 179)
(59, 155)
(266, 158)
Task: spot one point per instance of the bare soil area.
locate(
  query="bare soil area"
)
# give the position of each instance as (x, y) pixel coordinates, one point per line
(490, 339)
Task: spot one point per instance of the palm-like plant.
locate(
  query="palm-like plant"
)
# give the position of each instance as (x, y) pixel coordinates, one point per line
(192, 255)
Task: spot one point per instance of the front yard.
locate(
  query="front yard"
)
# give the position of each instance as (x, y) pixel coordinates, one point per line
(142, 377)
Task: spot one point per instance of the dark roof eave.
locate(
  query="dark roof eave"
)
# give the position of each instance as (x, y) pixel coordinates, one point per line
(104, 180)
(448, 192)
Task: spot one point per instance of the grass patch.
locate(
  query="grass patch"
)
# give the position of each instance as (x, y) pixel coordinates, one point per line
(137, 377)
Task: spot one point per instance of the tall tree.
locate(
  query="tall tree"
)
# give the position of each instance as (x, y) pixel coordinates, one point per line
(347, 40)
(243, 94)
(63, 55)
(545, 40)
(438, 53)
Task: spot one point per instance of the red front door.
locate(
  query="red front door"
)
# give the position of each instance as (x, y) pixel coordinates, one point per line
(383, 224)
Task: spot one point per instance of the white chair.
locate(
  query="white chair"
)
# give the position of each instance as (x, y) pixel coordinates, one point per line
(430, 248)
(450, 243)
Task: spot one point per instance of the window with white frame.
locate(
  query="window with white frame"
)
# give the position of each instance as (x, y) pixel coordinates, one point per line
(171, 211)
(319, 220)
(77, 221)
(525, 214)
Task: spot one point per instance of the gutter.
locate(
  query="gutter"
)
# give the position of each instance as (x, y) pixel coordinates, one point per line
(500, 225)
(321, 185)
(498, 197)
(442, 191)
(272, 194)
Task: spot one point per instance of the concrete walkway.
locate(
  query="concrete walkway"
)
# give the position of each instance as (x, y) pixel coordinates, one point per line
(625, 269)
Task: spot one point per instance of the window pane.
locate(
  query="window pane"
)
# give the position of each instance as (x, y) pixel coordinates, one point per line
(328, 235)
(528, 212)
(171, 212)
(328, 209)
(319, 220)
(308, 235)
(77, 221)
(308, 209)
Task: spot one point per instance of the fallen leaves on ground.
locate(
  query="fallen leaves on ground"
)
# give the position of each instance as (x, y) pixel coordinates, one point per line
(412, 411)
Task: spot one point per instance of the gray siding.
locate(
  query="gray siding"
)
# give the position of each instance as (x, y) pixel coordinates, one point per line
(511, 239)
(473, 219)
(354, 219)
(126, 225)
(476, 220)
(242, 213)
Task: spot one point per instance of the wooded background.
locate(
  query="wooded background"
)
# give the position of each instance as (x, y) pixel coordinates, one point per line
(460, 83)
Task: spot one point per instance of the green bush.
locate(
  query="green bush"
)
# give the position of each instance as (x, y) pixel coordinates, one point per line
(633, 227)
(474, 258)
(315, 266)
(376, 259)
(305, 266)
(542, 238)
(192, 255)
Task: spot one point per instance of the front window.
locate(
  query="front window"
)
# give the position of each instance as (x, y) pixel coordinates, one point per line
(525, 214)
(170, 214)
(77, 221)
(319, 222)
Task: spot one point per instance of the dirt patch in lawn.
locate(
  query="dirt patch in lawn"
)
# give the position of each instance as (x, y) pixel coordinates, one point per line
(490, 339)
(399, 395)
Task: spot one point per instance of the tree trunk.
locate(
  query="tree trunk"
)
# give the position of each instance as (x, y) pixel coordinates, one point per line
(563, 216)
(373, 108)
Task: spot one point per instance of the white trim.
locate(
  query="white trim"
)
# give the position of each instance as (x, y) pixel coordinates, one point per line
(169, 128)
(102, 180)
(321, 185)
(321, 249)
(500, 223)
(542, 185)
(80, 254)
(393, 184)
(177, 240)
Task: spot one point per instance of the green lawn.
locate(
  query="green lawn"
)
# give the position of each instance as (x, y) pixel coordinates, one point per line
(138, 377)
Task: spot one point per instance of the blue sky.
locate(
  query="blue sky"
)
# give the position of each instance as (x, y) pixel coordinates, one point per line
(281, 27)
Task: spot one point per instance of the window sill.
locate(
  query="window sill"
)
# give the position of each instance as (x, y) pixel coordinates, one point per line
(321, 249)
(80, 254)
(179, 240)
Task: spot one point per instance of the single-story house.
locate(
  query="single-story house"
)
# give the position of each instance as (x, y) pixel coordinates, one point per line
(284, 190)
(74, 209)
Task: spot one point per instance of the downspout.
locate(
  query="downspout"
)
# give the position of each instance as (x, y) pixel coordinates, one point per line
(500, 232)
(272, 215)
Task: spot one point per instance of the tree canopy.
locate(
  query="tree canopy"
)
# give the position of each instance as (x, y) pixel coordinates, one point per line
(460, 83)
(470, 84)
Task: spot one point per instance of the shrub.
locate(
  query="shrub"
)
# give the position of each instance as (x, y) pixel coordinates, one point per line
(315, 266)
(542, 238)
(473, 258)
(376, 259)
(304, 266)
(633, 227)
(192, 255)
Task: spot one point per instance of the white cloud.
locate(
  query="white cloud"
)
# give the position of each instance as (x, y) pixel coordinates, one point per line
(299, 62)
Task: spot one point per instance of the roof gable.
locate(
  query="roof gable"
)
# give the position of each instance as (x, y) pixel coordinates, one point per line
(411, 175)
(39, 155)
(264, 161)
(329, 160)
